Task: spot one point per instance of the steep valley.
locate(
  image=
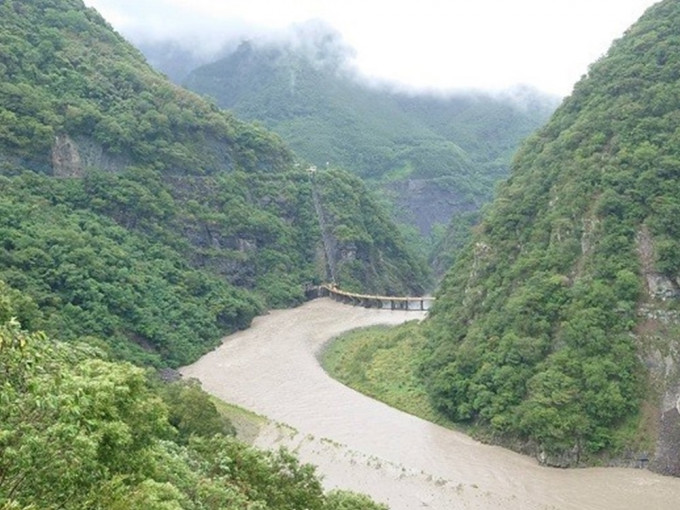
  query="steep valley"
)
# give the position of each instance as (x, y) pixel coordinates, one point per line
(452, 148)
(140, 223)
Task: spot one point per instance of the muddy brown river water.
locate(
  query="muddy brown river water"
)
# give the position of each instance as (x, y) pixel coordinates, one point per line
(363, 445)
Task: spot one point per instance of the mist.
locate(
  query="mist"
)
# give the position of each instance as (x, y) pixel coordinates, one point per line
(431, 45)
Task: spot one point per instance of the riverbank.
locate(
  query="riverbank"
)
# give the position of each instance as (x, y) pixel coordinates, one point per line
(367, 446)
(382, 363)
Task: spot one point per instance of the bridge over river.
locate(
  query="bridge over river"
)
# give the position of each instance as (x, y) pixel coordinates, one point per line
(406, 303)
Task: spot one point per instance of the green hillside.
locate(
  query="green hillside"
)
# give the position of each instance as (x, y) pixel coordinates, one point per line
(550, 331)
(430, 156)
(140, 215)
(79, 431)
(140, 223)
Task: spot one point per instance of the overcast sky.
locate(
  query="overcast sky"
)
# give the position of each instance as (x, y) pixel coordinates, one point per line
(438, 44)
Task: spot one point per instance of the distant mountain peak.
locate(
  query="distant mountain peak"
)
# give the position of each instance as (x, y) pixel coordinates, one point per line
(314, 41)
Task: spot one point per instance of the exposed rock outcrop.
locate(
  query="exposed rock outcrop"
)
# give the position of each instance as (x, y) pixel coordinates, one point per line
(659, 286)
(66, 160)
(71, 157)
(427, 202)
(660, 352)
(667, 456)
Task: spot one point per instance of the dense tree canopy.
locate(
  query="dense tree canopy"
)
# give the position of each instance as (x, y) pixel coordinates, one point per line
(428, 156)
(139, 214)
(533, 333)
(78, 431)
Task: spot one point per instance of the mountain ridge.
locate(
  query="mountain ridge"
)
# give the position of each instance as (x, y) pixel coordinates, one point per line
(331, 116)
(213, 216)
(549, 330)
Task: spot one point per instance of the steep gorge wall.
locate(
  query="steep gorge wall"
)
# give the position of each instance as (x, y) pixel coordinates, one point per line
(70, 157)
(658, 336)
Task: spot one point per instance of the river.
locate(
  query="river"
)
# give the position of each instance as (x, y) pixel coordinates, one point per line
(364, 445)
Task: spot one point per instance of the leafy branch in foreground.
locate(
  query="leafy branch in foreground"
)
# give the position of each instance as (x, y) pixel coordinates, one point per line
(77, 431)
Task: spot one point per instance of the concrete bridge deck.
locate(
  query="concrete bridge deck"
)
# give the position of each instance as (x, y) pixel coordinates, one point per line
(419, 303)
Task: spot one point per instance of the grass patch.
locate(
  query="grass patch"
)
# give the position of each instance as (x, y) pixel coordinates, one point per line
(247, 423)
(382, 362)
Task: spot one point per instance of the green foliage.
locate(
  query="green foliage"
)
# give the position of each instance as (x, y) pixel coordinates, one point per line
(140, 215)
(532, 334)
(80, 432)
(18, 306)
(343, 500)
(66, 71)
(383, 363)
(192, 412)
(388, 138)
(449, 241)
(89, 276)
(69, 421)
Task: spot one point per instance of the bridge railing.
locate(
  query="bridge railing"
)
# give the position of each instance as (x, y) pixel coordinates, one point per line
(408, 303)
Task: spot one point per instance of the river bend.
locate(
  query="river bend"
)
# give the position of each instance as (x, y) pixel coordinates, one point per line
(364, 445)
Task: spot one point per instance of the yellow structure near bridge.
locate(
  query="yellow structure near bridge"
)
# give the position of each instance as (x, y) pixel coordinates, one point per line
(420, 303)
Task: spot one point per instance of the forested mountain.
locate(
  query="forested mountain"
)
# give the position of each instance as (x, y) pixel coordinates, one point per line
(432, 156)
(139, 222)
(557, 330)
(137, 213)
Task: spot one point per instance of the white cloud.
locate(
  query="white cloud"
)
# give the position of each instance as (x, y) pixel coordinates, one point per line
(489, 44)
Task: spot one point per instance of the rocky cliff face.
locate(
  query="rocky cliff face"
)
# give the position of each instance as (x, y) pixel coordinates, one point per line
(66, 160)
(355, 255)
(425, 203)
(658, 333)
(71, 157)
